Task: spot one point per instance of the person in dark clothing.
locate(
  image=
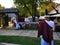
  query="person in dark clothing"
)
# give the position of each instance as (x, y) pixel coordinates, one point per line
(45, 30)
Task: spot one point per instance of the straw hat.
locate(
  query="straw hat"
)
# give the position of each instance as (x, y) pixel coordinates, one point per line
(47, 16)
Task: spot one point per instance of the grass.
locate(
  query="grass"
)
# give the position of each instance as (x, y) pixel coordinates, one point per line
(30, 29)
(57, 42)
(20, 29)
(20, 40)
(23, 40)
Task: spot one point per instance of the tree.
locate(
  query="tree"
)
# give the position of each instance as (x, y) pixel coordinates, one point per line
(27, 7)
(1, 7)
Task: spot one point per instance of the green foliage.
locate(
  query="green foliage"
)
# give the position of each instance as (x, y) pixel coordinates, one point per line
(1, 7)
(46, 5)
(27, 7)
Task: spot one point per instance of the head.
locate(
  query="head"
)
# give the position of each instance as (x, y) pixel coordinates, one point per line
(47, 17)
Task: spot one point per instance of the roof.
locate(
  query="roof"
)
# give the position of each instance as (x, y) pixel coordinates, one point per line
(9, 10)
(57, 15)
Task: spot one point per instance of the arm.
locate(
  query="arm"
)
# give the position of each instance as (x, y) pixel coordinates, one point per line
(39, 29)
(53, 26)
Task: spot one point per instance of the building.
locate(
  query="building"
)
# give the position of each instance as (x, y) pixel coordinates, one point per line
(6, 14)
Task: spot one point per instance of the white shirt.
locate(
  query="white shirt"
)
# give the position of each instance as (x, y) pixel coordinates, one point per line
(50, 23)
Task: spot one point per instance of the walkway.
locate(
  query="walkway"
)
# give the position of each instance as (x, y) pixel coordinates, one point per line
(29, 33)
(8, 44)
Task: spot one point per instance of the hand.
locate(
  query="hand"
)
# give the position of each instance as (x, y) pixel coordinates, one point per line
(53, 30)
(38, 36)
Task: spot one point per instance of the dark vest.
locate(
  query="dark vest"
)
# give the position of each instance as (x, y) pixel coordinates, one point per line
(45, 30)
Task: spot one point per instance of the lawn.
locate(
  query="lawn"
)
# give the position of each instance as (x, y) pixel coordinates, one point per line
(23, 40)
(19, 29)
(20, 40)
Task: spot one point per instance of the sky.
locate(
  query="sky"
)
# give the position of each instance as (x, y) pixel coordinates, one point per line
(9, 3)
(57, 1)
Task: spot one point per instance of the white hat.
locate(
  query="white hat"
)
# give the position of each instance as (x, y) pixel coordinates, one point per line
(13, 18)
(47, 16)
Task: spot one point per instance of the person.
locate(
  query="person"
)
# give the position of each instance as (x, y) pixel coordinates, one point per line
(45, 31)
(16, 24)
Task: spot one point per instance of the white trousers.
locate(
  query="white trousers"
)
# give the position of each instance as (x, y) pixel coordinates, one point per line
(43, 42)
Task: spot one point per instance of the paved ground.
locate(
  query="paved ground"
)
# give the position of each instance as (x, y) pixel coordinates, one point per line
(29, 33)
(8, 44)
(18, 33)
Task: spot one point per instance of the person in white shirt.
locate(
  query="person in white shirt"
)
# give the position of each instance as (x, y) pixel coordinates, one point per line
(15, 23)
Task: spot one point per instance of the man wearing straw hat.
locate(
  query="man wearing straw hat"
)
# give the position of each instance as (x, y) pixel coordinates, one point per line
(45, 31)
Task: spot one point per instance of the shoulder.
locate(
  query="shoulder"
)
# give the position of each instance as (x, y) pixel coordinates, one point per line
(40, 22)
(52, 22)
